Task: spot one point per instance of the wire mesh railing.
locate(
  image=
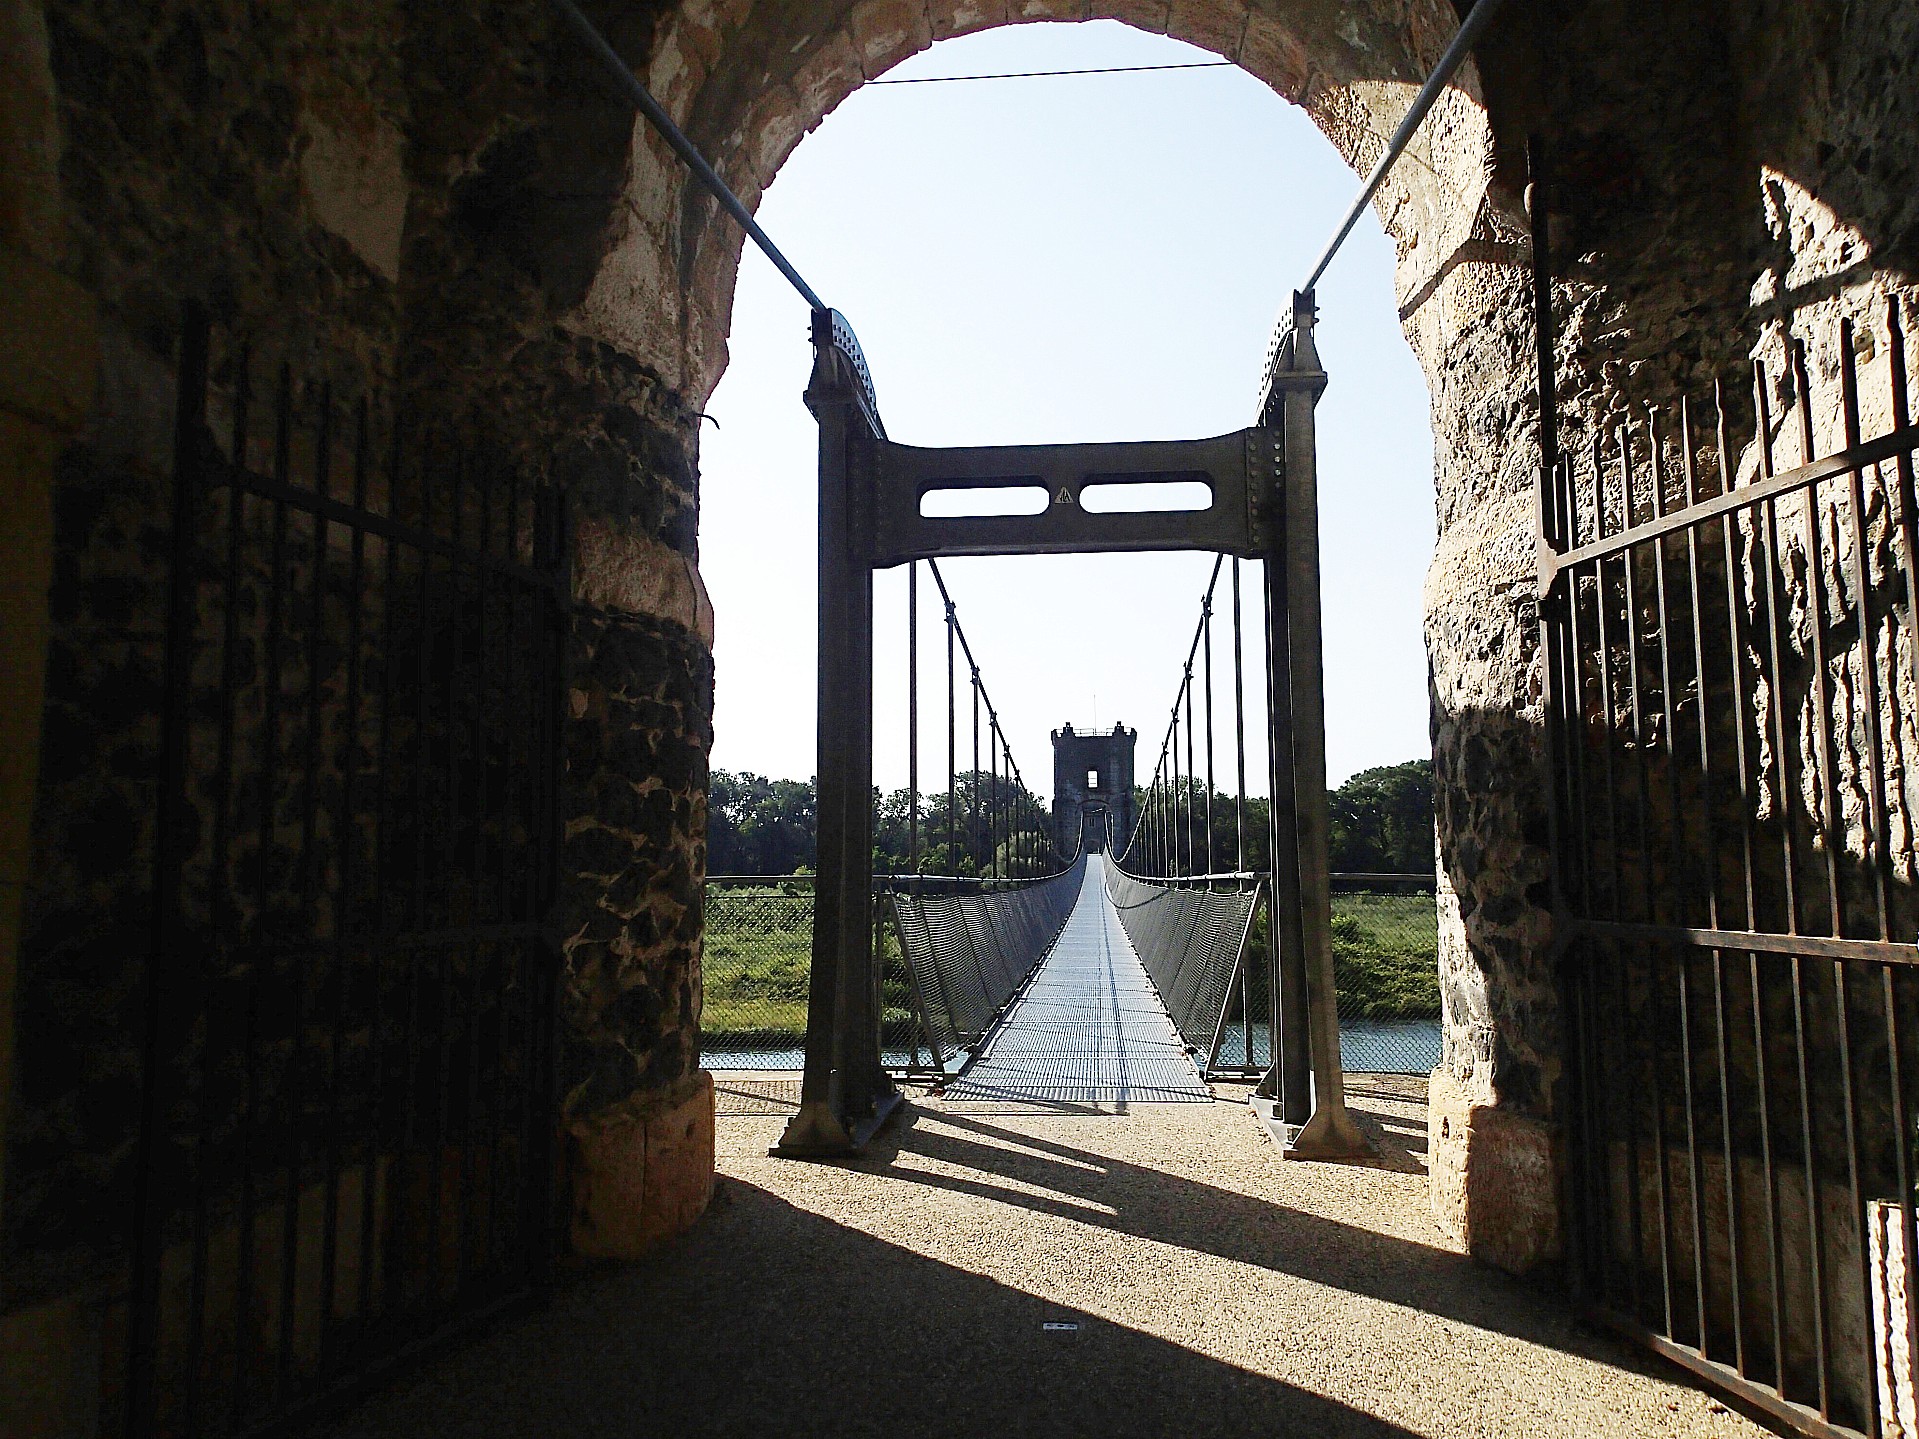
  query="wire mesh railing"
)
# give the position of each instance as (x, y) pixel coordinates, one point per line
(1192, 942)
(969, 953)
(757, 964)
(952, 952)
(1385, 976)
(1208, 952)
(1386, 972)
(1198, 870)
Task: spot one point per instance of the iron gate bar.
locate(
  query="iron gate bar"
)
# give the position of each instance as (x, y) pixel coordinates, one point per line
(1235, 466)
(1898, 443)
(1811, 946)
(1869, 682)
(1714, 916)
(222, 472)
(1658, 1021)
(169, 939)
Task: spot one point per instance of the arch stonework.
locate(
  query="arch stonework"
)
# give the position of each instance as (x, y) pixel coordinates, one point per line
(1660, 143)
(748, 85)
(445, 200)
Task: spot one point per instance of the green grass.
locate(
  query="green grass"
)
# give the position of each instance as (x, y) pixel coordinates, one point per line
(1386, 955)
(758, 956)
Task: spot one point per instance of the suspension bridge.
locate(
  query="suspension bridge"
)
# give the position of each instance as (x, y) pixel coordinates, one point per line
(345, 1145)
(883, 504)
(1088, 1028)
(1115, 951)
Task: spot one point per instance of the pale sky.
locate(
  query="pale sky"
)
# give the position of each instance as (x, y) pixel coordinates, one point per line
(1058, 260)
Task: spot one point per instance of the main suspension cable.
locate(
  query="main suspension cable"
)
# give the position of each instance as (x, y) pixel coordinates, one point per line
(689, 154)
(1474, 25)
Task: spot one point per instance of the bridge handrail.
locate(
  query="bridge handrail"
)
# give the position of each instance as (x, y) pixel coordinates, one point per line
(967, 955)
(1192, 942)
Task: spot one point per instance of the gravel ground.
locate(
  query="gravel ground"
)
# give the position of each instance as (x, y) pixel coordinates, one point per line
(1217, 1290)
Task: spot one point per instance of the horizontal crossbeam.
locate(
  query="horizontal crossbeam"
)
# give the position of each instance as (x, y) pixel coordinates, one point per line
(1237, 469)
(1850, 460)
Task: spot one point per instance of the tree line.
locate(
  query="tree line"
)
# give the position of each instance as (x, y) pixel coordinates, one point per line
(1381, 823)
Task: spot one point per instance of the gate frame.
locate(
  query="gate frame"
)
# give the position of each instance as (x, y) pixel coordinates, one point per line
(1265, 506)
(198, 471)
(1584, 1103)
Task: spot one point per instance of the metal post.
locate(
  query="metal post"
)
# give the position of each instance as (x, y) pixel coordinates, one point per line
(1330, 1133)
(992, 794)
(168, 947)
(1239, 822)
(1288, 1079)
(845, 1093)
(1239, 730)
(1206, 630)
(952, 745)
(913, 718)
(1192, 816)
(973, 788)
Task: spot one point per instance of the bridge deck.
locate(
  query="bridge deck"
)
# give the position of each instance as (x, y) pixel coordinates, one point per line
(1088, 1028)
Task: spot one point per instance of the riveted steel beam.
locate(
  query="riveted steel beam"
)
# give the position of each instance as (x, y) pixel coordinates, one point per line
(1236, 469)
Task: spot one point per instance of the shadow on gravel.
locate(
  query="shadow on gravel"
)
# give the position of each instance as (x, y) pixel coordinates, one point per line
(769, 1320)
(1095, 1189)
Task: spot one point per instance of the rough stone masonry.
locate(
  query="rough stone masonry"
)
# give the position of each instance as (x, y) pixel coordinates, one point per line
(441, 199)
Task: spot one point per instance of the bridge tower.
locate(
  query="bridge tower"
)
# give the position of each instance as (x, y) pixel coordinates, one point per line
(1092, 777)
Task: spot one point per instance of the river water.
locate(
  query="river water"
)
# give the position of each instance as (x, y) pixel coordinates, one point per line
(1377, 1046)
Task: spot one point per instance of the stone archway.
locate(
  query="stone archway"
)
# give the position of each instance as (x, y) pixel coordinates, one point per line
(444, 201)
(747, 87)
(748, 90)
(1668, 125)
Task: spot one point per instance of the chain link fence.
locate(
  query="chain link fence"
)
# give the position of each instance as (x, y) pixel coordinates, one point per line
(757, 961)
(1385, 970)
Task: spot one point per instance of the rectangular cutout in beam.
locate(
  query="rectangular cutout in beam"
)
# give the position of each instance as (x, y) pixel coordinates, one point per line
(985, 499)
(1149, 492)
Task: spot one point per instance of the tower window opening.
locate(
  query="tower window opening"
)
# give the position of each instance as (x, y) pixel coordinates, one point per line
(1092, 779)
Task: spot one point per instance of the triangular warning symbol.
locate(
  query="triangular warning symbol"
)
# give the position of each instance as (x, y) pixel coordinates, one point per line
(1065, 496)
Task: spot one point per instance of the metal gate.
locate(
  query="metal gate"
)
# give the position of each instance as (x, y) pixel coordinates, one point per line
(346, 1142)
(1733, 660)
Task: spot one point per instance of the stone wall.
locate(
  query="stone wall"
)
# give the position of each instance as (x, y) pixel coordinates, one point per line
(1722, 179)
(408, 201)
(444, 200)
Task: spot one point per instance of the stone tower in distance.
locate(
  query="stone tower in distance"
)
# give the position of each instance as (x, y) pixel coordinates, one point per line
(1092, 779)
